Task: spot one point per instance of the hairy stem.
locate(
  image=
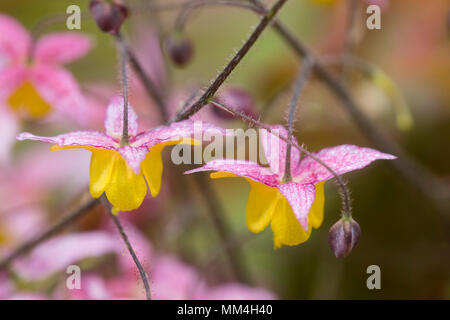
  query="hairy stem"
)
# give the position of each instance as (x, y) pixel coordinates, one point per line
(299, 84)
(150, 87)
(216, 213)
(212, 89)
(125, 239)
(184, 14)
(123, 63)
(349, 41)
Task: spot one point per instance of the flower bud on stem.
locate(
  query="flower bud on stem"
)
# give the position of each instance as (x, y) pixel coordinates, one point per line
(109, 15)
(343, 236)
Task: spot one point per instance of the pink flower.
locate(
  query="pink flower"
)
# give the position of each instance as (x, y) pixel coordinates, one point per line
(291, 207)
(59, 252)
(9, 128)
(121, 171)
(33, 88)
(174, 280)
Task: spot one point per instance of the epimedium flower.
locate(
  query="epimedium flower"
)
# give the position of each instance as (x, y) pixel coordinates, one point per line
(292, 208)
(32, 79)
(122, 170)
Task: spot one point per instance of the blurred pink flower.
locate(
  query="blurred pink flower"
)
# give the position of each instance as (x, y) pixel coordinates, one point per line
(174, 280)
(383, 4)
(170, 278)
(33, 89)
(59, 252)
(9, 128)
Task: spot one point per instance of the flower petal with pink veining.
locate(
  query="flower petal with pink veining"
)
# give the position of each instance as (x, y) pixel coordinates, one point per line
(241, 168)
(133, 156)
(341, 159)
(114, 119)
(301, 198)
(176, 131)
(275, 149)
(78, 138)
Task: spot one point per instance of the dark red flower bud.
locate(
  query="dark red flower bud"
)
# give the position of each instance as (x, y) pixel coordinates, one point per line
(180, 49)
(237, 99)
(343, 237)
(109, 15)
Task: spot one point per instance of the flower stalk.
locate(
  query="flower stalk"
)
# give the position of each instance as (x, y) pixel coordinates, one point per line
(302, 77)
(123, 62)
(125, 239)
(212, 89)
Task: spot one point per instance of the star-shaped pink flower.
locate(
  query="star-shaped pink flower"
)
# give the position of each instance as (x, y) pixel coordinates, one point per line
(121, 171)
(32, 79)
(291, 207)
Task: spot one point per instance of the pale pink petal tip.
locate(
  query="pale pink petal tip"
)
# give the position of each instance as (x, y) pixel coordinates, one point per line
(77, 138)
(341, 159)
(14, 39)
(114, 119)
(27, 136)
(61, 47)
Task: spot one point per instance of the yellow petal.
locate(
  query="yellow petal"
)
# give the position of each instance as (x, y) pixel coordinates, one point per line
(126, 189)
(285, 226)
(316, 213)
(102, 164)
(260, 205)
(152, 166)
(222, 174)
(58, 148)
(26, 100)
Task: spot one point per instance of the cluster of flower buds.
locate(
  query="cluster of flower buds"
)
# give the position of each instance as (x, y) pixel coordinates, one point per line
(180, 49)
(109, 15)
(237, 99)
(343, 236)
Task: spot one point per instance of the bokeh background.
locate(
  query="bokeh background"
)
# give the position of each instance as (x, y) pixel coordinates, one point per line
(402, 231)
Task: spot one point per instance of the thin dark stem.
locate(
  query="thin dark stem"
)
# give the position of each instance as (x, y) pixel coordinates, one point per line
(31, 244)
(235, 242)
(189, 3)
(184, 14)
(216, 213)
(125, 239)
(299, 84)
(123, 64)
(349, 41)
(145, 79)
(212, 89)
(345, 194)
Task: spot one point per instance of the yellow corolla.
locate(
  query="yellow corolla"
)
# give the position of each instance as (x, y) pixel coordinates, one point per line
(267, 205)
